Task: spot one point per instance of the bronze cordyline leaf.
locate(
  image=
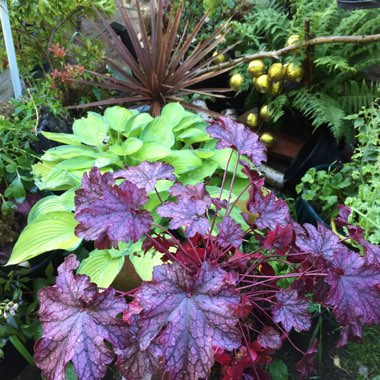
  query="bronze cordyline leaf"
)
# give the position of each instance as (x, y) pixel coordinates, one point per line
(164, 66)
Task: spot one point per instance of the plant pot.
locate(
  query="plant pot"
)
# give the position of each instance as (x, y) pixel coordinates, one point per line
(358, 4)
(322, 148)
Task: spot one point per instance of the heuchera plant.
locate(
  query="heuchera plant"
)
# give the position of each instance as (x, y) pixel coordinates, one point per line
(213, 300)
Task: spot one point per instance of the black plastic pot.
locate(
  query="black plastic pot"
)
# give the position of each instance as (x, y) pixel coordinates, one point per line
(358, 4)
(322, 148)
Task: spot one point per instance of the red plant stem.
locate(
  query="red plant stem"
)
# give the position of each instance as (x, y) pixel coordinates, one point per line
(232, 183)
(158, 195)
(237, 199)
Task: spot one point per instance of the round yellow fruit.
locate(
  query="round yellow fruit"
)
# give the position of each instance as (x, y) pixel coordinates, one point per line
(275, 89)
(236, 81)
(219, 58)
(252, 120)
(256, 68)
(267, 139)
(276, 72)
(263, 83)
(294, 72)
(293, 39)
(265, 113)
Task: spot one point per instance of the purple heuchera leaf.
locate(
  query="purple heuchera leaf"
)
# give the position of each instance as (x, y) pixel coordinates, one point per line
(109, 213)
(146, 175)
(306, 366)
(270, 211)
(191, 314)
(237, 136)
(76, 321)
(270, 338)
(318, 241)
(291, 311)
(354, 292)
(230, 233)
(189, 211)
(279, 239)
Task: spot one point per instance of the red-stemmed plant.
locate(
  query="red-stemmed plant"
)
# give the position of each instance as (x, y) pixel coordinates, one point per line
(213, 299)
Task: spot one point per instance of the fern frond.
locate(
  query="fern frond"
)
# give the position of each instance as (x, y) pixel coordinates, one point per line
(334, 63)
(276, 106)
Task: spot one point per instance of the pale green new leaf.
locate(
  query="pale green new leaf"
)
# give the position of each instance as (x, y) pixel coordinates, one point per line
(152, 151)
(160, 130)
(136, 124)
(174, 113)
(64, 138)
(91, 130)
(117, 117)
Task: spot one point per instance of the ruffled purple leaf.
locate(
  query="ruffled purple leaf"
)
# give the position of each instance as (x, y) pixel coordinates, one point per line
(291, 311)
(270, 338)
(76, 321)
(237, 136)
(190, 314)
(307, 365)
(270, 211)
(146, 175)
(354, 292)
(318, 241)
(279, 239)
(186, 213)
(230, 233)
(108, 213)
(192, 192)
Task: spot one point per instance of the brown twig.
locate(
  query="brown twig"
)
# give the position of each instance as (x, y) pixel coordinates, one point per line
(276, 54)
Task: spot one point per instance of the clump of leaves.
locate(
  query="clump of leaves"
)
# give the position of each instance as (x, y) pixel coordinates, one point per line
(212, 299)
(161, 67)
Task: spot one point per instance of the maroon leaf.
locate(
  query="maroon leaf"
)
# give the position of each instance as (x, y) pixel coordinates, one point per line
(196, 192)
(279, 239)
(270, 211)
(107, 212)
(188, 213)
(318, 241)
(146, 175)
(230, 233)
(306, 366)
(193, 313)
(76, 320)
(355, 292)
(237, 136)
(270, 338)
(291, 311)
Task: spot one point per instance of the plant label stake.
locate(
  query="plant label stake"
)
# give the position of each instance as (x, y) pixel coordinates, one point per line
(9, 46)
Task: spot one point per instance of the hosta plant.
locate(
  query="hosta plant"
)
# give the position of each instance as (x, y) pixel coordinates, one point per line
(213, 299)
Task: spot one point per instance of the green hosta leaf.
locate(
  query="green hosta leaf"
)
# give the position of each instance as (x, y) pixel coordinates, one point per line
(205, 153)
(107, 158)
(132, 145)
(76, 163)
(64, 138)
(152, 151)
(160, 130)
(192, 135)
(189, 120)
(56, 179)
(136, 124)
(194, 176)
(46, 233)
(174, 113)
(183, 161)
(66, 152)
(91, 130)
(52, 203)
(144, 264)
(117, 117)
(101, 267)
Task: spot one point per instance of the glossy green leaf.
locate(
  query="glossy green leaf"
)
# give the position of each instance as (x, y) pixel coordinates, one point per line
(183, 161)
(136, 124)
(144, 263)
(16, 189)
(152, 151)
(76, 163)
(132, 145)
(117, 117)
(101, 267)
(91, 130)
(65, 152)
(64, 138)
(174, 113)
(160, 130)
(46, 233)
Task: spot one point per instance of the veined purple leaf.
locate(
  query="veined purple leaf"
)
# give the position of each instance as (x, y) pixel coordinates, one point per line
(270, 211)
(191, 314)
(230, 233)
(270, 338)
(146, 175)
(134, 363)
(291, 311)
(108, 213)
(188, 213)
(318, 241)
(76, 321)
(279, 239)
(196, 192)
(237, 136)
(354, 292)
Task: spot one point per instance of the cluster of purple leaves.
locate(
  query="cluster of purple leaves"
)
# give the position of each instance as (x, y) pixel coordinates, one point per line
(211, 301)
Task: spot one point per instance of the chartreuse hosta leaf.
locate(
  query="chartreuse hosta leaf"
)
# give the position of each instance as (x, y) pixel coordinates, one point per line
(174, 113)
(48, 232)
(117, 117)
(64, 138)
(160, 130)
(91, 130)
